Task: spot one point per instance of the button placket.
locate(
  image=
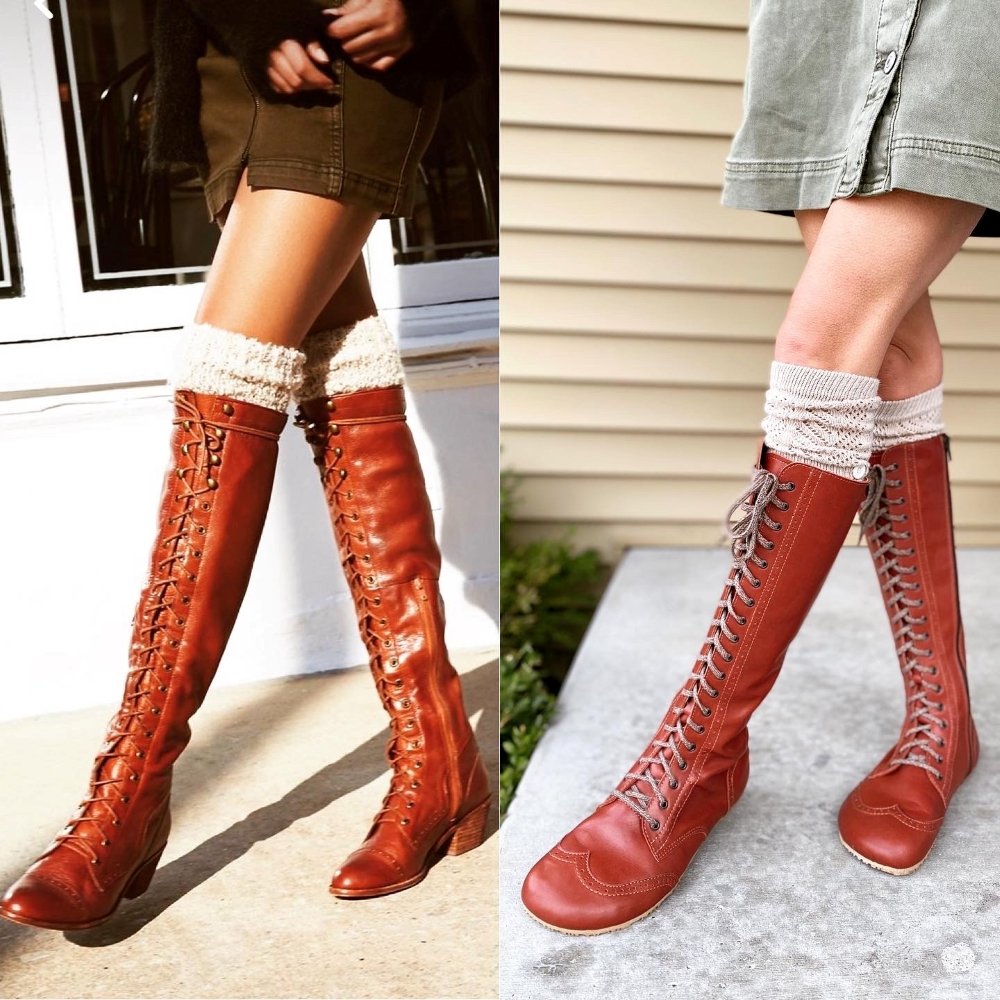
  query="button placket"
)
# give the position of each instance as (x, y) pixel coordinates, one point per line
(868, 147)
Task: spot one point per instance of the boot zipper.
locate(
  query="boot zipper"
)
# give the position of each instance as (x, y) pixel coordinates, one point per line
(454, 779)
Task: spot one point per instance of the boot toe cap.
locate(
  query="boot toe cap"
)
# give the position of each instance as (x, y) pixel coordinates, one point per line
(42, 902)
(885, 836)
(368, 873)
(561, 892)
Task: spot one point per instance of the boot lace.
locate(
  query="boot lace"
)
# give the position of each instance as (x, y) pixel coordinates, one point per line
(920, 745)
(162, 609)
(405, 738)
(675, 738)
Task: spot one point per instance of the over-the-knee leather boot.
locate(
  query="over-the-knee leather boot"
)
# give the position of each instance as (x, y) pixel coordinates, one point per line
(438, 799)
(622, 861)
(891, 819)
(214, 500)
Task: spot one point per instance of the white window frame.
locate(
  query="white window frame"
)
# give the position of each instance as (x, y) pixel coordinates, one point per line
(54, 305)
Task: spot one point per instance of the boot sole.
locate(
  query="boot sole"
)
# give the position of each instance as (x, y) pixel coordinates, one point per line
(135, 887)
(882, 868)
(576, 932)
(465, 835)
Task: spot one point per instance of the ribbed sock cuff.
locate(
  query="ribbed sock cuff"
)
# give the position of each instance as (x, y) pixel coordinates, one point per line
(346, 359)
(823, 418)
(222, 363)
(902, 421)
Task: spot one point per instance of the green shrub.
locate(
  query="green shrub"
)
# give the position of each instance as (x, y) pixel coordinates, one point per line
(548, 594)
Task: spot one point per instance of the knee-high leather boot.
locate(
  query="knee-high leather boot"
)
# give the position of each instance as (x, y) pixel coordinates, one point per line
(891, 819)
(214, 500)
(438, 799)
(622, 861)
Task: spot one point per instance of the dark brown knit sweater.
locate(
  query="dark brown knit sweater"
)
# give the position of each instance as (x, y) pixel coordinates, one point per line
(249, 30)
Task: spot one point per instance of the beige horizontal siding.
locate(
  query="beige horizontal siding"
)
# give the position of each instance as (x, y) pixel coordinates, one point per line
(637, 313)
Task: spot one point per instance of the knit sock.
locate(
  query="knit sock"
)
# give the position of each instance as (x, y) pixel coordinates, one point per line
(901, 421)
(345, 359)
(825, 419)
(221, 363)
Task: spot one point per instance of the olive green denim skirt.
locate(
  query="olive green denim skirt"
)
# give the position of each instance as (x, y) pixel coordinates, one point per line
(361, 144)
(865, 96)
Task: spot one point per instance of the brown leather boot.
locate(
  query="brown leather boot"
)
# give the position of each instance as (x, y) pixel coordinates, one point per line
(214, 501)
(891, 819)
(438, 798)
(621, 862)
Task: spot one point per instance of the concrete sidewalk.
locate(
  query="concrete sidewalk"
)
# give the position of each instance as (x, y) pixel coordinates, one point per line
(279, 785)
(772, 906)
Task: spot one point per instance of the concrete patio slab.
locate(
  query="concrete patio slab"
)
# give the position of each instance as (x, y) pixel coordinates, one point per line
(279, 785)
(772, 906)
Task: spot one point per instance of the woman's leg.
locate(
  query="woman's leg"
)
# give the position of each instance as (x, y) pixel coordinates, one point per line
(891, 819)
(872, 261)
(913, 362)
(282, 257)
(623, 860)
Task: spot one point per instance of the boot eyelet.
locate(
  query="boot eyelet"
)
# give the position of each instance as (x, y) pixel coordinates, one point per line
(418, 763)
(674, 783)
(200, 529)
(139, 753)
(116, 822)
(105, 843)
(410, 805)
(777, 526)
(750, 602)
(662, 803)
(655, 825)
(125, 800)
(790, 487)
(206, 506)
(706, 712)
(414, 784)
(682, 765)
(404, 821)
(95, 861)
(722, 673)
(133, 777)
(728, 657)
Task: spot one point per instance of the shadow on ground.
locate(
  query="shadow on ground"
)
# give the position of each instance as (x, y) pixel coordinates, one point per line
(359, 767)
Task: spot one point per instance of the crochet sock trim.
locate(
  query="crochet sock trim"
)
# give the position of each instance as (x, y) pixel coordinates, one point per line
(903, 421)
(823, 418)
(224, 363)
(351, 358)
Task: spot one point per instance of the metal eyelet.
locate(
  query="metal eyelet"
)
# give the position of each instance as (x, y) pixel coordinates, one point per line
(706, 713)
(682, 765)
(404, 821)
(674, 783)
(655, 825)
(95, 861)
(227, 409)
(662, 803)
(133, 777)
(105, 843)
(410, 805)
(418, 763)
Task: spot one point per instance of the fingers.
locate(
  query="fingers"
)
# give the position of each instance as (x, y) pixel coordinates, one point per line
(292, 68)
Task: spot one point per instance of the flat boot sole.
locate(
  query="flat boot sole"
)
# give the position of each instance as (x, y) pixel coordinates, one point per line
(882, 868)
(601, 930)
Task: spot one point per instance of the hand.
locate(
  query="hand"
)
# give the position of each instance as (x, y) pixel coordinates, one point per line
(292, 67)
(371, 33)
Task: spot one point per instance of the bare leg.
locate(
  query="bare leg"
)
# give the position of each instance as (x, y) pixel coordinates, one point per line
(871, 262)
(282, 256)
(351, 302)
(913, 362)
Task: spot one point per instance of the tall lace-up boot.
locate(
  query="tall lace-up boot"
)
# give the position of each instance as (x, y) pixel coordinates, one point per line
(891, 819)
(353, 412)
(621, 862)
(215, 496)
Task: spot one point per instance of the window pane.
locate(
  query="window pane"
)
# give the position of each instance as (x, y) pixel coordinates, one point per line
(10, 271)
(132, 229)
(455, 216)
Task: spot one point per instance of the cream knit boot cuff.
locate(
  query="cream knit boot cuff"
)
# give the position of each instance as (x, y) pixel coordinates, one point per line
(823, 418)
(350, 358)
(221, 363)
(900, 421)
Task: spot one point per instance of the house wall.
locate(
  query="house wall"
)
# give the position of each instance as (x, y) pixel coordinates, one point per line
(637, 314)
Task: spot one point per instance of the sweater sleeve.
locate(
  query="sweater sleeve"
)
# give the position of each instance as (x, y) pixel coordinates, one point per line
(250, 29)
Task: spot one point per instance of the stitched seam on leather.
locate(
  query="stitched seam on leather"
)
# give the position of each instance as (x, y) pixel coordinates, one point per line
(928, 826)
(581, 862)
